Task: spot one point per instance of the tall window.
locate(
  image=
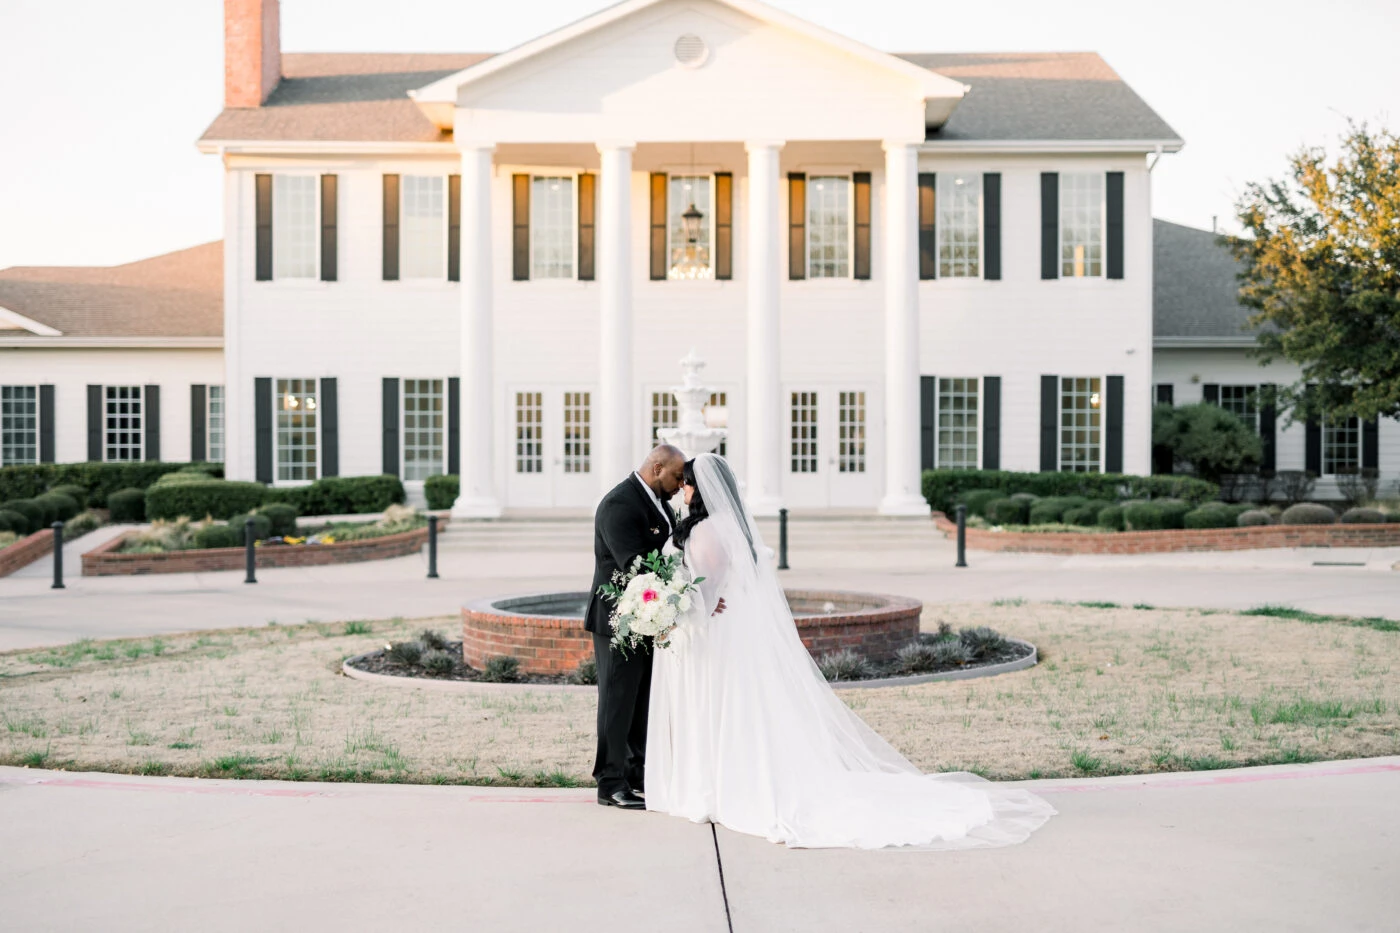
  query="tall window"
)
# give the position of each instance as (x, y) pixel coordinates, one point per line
(1242, 401)
(721, 399)
(19, 425)
(423, 227)
(215, 423)
(294, 226)
(529, 432)
(959, 225)
(1081, 424)
(957, 424)
(296, 429)
(803, 441)
(690, 260)
(422, 428)
(850, 426)
(828, 227)
(551, 227)
(665, 413)
(1341, 446)
(1081, 224)
(125, 428)
(578, 433)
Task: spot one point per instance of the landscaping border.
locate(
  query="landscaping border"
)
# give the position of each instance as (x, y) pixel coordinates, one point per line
(105, 560)
(1188, 539)
(25, 551)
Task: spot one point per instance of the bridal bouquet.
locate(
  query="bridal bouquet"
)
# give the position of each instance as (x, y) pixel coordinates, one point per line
(648, 599)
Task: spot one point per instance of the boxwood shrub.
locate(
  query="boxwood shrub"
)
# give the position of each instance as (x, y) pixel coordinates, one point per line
(127, 505)
(77, 493)
(33, 513)
(283, 517)
(342, 495)
(14, 521)
(1110, 517)
(1007, 511)
(1252, 518)
(943, 487)
(262, 526)
(1361, 516)
(1084, 516)
(1173, 512)
(218, 536)
(1213, 515)
(1053, 509)
(61, 507)
(99, 480)
(1308, 513)
(976, 500)
(217, 497)
(442, 491)
(1143, 516)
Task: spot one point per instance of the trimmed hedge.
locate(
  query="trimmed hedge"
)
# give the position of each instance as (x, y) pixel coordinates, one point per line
(1052, 510)
(1214, 515)
(1253, 518)
(1361, 516)
(14, 521)
(283, 517)
(1111, 517)
(1308, 513)
(99, 480)
(1007, 511)
(127, 505)
(342, 495)
(262, 526)
(218, 536)
(33, 513)
(77, 493)
(1083, 516)
(62, 507)
(217, 497)
(442, 491)
(943, 487)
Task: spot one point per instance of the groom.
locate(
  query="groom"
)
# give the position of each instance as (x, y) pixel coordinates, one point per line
(632, 520)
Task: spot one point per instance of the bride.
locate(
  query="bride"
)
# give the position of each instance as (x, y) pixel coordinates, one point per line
(745, 732)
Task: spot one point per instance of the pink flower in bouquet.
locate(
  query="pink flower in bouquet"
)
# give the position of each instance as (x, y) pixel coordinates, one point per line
(650, 596)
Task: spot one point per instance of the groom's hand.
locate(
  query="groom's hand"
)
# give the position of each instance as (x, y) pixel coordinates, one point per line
(719, 607)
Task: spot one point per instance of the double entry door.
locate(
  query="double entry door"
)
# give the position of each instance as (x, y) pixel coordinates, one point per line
(827, 447)
(549, 447)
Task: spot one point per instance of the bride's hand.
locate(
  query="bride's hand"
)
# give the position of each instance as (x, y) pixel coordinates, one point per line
(719, 607)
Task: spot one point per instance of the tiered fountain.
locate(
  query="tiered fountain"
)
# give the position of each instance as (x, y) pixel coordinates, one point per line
(694, 433)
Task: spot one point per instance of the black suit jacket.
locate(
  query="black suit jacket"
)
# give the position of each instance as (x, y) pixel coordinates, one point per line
(625, 527)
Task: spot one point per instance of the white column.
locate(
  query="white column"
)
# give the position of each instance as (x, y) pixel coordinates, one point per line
(477, 497)
(614, 439)
(901, 248)
(765, 405)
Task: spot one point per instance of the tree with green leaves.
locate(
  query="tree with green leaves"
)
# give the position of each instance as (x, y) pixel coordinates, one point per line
(1212, 440)
(1321, 255)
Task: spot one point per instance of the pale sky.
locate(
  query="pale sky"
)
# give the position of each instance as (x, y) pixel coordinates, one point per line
(101, 101)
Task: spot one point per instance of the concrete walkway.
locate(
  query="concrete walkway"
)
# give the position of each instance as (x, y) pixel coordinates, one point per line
(1305, 848)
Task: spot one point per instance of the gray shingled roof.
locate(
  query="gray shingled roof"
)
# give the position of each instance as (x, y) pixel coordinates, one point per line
(1015, 96)
(179, 294)
(1194, 286)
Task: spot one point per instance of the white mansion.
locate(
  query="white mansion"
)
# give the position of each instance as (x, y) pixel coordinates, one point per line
(489, 265)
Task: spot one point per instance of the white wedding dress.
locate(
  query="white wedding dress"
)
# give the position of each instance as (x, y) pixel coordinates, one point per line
(743, 730)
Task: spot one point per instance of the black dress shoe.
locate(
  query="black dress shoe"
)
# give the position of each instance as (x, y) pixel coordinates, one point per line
(623, 800)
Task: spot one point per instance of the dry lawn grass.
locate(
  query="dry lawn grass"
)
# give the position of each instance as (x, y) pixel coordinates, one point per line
(1118, 690)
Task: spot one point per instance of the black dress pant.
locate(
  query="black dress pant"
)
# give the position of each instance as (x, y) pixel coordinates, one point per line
(624, 692)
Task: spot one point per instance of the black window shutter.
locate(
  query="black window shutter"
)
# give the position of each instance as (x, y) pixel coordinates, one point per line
(1312, 435)
(390, 421)
(991, 227)
(46, 446)
(330, 428)
(1210, 393)
(391, 228)
(1268, 428)
(262, 225)
(928, 225)
(1370, 444)
(262, 429)
(520, 227)
(1165, 393)
(150, 416)
(797, 225)
(928, 421)
(94, 423)
(1049, 226)
(329, 249)
(724, 226)
(587, 220)
(1049, 423)
(1113, 448)
(860, 267)
(1113, 197)
(199, 429)
(658, 226)
(991, 422)
(454, 228)
(454, 426)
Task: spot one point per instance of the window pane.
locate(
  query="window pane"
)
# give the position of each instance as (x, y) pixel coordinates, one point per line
(1081, 224)
(1341, 446)
(19, 425)
(1242, 401)
(422, 428)
(957, 424)
(721, 399)
(215, 423)
(297, 404)
(851, 433)
(578, 433)
(828, 227)
(689, 259)
(529, 432)
(803, 440)
(959, 225)
(423, 228)
(123, 424)
(551, 228)
(665, 413)
(294, 227)
(1081, 409)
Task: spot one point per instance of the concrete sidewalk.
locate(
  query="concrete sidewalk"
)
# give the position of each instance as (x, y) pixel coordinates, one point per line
(1307, 848)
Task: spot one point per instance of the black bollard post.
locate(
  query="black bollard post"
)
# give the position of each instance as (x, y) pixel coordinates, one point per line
(57, 556)
(962, 536)
(249, 555)
(432, 547)
(782, 539)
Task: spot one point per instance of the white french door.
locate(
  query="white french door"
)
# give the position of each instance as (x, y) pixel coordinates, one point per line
(549, 447)
(828, 447)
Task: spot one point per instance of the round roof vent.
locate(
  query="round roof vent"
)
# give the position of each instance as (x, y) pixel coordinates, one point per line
(691, 51)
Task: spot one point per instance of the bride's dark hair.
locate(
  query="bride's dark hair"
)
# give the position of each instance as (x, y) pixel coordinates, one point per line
(697, 511)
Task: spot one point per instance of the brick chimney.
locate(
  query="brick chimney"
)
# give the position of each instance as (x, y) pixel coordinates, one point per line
(252, 51)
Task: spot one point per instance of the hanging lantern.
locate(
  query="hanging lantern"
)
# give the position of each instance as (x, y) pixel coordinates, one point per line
(692, 218)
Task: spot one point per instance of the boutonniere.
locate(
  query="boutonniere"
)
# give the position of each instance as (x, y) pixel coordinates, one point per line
(656, 531)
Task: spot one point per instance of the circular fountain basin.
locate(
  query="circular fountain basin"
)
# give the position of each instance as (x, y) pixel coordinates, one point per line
(545, 631)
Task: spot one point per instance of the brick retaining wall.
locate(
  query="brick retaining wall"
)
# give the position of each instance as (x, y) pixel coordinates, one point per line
(104, 560)
(26, 551)
(1189, 539)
